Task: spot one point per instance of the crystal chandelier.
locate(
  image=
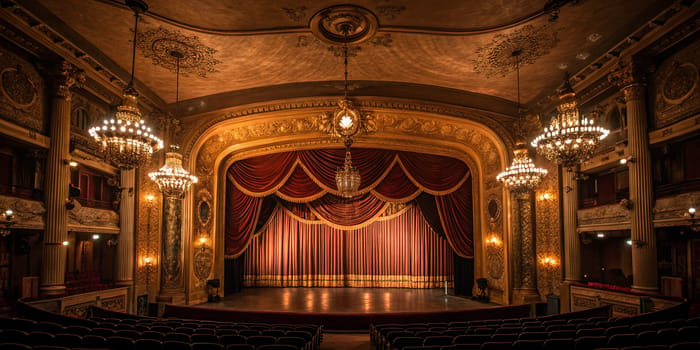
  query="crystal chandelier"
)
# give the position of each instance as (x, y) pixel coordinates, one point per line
(126, 141)
(522, 175)
(346, 122)
(172, 179)
(347, 178)
(571, 138)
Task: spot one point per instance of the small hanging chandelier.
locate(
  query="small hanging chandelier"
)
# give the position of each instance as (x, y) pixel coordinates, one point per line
(126, 141)
(522, 175)
(172, 179)
(346, 123)
(571, 138)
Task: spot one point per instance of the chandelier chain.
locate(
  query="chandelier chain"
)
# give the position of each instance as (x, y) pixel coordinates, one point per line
(133, 48)
(345, 57)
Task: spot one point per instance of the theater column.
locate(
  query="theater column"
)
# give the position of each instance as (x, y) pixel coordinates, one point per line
(172, 284)
(524, 250)
(630, 77)
(53, 262)
(572, 242)
(124, 274)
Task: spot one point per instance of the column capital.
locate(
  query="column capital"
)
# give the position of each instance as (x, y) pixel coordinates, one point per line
(630, 72)
(65, 77)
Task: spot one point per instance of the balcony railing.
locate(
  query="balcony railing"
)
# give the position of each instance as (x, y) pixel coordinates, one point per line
(21, 192)
(92, 203)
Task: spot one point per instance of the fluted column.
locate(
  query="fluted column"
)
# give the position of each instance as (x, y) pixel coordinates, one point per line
(53, 263)
(524, 248)
(172, 285)
(572, 243)
(124, 274)
(631, 79)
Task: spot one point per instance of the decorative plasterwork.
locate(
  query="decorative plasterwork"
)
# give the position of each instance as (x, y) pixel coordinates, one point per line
(603, 215)
(157, 44)
(21, 93)
(674, 209)
(28, 214)
(390, 11)
(676, 93)
(86, 219)
(497, 57)
(194, 131)
(592, 74)
(296, 14)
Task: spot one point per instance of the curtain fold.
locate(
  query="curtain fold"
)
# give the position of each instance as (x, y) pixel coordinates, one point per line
(303, 182)
(402, 253)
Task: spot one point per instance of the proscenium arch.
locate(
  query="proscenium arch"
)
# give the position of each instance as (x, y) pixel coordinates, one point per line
(222, 143)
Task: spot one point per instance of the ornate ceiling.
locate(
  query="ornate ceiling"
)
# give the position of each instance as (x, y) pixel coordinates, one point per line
(265, 48)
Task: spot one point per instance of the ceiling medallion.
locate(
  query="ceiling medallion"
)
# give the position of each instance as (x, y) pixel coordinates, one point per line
(329, 24)
(157, 44)
(496, 58)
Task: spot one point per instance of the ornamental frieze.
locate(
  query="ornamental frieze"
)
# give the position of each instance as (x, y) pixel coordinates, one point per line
(675, 207)
(604, 214)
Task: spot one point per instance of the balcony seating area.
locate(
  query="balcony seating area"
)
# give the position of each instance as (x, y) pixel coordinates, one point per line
(82, 282)
(140, 333)
(654, 331)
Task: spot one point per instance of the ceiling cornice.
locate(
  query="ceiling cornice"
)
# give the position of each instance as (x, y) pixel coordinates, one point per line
(45, 28)
(550, 9)
(680, 19)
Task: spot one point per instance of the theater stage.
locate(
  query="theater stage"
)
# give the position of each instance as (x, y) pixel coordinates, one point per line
(345, 308)
(350, 300)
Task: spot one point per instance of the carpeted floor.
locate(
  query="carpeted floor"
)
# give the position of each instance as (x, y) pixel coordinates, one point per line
(346, 341)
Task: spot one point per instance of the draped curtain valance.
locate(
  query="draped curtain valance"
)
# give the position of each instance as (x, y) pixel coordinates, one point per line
(303, 183)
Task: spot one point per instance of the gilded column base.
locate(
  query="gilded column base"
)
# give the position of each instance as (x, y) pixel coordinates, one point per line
(525, 296)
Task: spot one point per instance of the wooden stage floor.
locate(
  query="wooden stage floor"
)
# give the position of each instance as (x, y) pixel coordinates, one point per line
(344, 300)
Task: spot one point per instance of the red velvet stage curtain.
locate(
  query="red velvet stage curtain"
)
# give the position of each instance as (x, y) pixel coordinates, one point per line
(305, 183)
(401, 252)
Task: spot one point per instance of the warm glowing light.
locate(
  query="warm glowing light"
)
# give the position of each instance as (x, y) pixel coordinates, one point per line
(522, 175)
(570, 138)
(629, 242)
(493, 240)
(691, 211)
(65, 243)
(623, 161)
(601, 235)
(150, 198)
(147, 260)
(95, 237)
(347, 177)
(202, 240)
(346, 122)
(549, 261)
(172, 179)
(73, 164)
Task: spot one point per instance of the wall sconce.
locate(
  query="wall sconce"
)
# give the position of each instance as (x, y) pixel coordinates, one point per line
(636, 243)
(545, 196)
(70, 163)
(150, 198)
(65, 243)
(8, 219)
(95, 237)
(494, 241)
(627, 159)
(549, 262)
(600, 235)
(203, 242)
(693, 223)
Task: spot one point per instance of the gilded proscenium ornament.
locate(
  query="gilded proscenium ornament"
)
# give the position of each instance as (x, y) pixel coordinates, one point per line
(570, 138)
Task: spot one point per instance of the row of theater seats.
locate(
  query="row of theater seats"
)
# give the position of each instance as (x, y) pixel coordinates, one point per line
(82, 282)
(534, 334)
(157, 334)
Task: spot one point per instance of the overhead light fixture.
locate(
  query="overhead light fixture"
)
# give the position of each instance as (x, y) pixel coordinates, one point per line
(126, 141)
(625, 160)
(8, 219)
(346, 123)
(522, 175)
(172, 179)
(693, 222)
(570, 138)
(601, 235)
(95, 237)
